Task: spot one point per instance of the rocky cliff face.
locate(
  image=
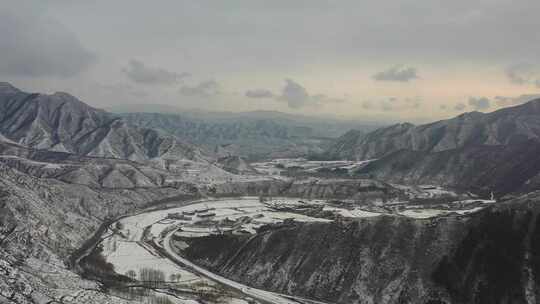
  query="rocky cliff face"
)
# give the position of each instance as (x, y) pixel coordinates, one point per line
(487, 258)
(502, 127)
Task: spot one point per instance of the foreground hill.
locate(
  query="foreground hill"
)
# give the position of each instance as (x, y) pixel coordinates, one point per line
(43, 220)
(491, 257)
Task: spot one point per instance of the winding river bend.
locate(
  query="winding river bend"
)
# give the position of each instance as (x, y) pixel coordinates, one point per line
(143, 241)
(155, 240)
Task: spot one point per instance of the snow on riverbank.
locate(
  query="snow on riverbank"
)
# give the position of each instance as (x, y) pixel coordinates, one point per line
(126, 256)
(126, 251)
(354, 213)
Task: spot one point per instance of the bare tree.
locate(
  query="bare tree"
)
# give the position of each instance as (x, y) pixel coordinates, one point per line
(152, 277)
(160, 300)
(131, 274)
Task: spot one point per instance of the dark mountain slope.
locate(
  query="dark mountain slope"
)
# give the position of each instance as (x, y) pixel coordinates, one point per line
(502, 127)
(494, 152)
(490, 257)
(502, 169)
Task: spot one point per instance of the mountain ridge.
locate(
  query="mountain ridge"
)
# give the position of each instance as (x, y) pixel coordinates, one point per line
(61, 122)
(503, 126)
(248, 137)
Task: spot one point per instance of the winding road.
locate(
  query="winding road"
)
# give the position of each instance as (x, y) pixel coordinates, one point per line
(259, 294)
(139, 227)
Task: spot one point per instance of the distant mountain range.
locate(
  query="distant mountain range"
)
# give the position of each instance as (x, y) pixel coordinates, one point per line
(323, 126)
(255, 135)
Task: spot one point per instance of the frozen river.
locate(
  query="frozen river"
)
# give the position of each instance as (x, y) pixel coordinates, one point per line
(128, 250)
(130, 244)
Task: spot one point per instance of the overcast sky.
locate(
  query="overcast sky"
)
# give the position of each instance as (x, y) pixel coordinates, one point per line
(399, 59)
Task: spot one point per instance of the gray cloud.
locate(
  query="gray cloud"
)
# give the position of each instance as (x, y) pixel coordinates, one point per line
(259, 93)
(397, 73)
(207, 88)
(479, 103)
(505, 101)
(440, 34)
(294, 94)
(416, 31)
(138, 72)
(297, 96)
(524, 74)
(520, 73)
(32, 45)
(459, 106)
(422, 30)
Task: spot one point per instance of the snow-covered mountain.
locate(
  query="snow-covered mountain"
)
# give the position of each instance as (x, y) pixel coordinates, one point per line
(256, 135)
(494, 152)
(483, 169)
(502, 127)
(61, 122)
(47, 213)
(67, 170)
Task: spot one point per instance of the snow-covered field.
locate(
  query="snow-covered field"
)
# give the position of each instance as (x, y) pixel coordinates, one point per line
(276, 166)
(352, 213)
(464, 207)
(203, 173)
(127, 255)
(209, 210)
(126, 250)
